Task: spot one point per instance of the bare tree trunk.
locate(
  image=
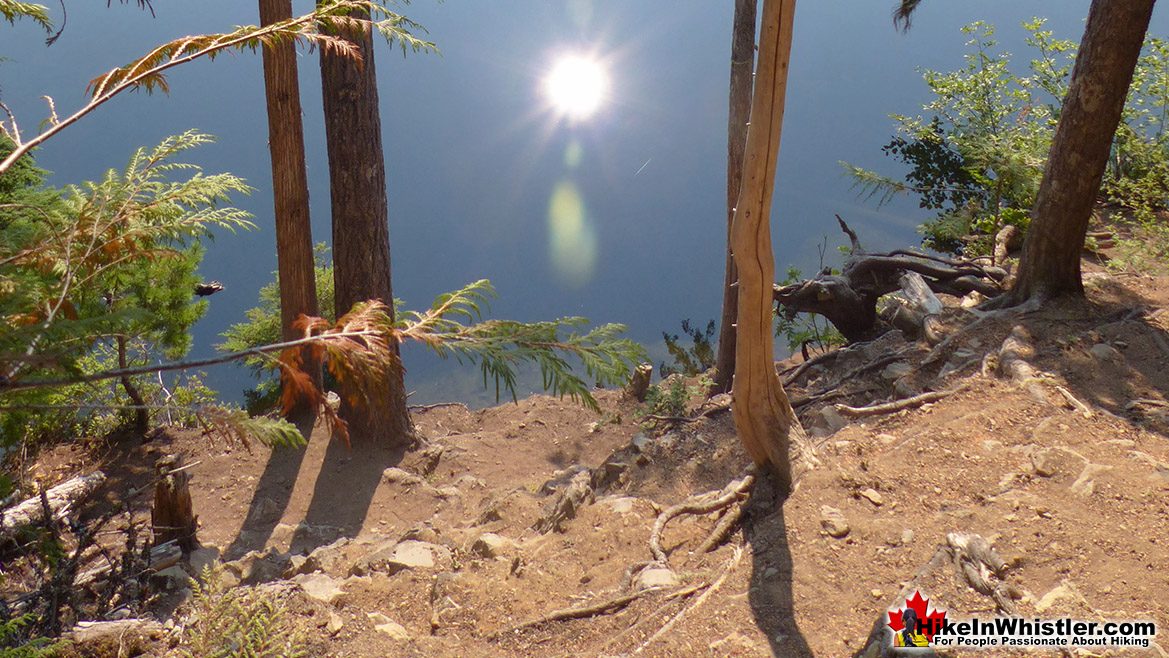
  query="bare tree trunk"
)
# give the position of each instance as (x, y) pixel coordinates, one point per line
(1050, 265)
(141, 413)
(294, 241)
(742, 68)
(361, 239)
(763, 416)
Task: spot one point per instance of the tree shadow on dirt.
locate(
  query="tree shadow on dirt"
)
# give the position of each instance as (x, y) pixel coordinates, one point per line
(345, 485)
(344, 490)
(770, 593)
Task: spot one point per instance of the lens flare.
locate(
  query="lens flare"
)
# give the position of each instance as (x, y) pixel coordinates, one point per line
(572, 241)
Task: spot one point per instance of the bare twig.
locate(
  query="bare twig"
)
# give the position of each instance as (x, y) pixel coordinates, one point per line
(896, 405)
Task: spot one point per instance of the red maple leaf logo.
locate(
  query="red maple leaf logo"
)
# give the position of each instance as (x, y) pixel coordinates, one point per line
(931, 620)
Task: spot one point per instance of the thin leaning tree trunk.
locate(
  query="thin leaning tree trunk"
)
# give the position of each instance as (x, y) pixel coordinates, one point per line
(742, 68)
(294, 242)
(764, 418)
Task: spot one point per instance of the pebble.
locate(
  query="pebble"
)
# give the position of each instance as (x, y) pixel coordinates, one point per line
(833, 522)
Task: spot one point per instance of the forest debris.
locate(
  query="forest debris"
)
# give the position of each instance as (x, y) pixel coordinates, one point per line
(896, 405)
(571, 498)
(62, 500)
(601, 607)
(726, 571)
(1075, 402)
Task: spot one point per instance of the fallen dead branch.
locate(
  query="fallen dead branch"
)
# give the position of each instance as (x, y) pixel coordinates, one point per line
(849, 299)
(606, 606)
(701, 504)
(61, 500)
(896, 405)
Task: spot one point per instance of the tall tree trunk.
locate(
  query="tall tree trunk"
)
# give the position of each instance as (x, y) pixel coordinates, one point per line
(742, 68)
(361, 239)
(763, 416)
(294, 241)
(1050, 265)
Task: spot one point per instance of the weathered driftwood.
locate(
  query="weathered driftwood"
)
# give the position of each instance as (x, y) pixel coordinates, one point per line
(161, 557)
(62, 498)
(849, 299)
(91, 632)
(172, 517)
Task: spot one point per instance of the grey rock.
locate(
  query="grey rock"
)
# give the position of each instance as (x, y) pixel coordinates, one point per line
(1085, 485)
(335, 624)
(203, 558)
(656, 577)
(872, 495)
(408, 554)
(490, 545)
(1104, 353)
(259, 567)
(833, 522)
(300, 565)
(832, 418)
(387, 626)
(561, 478)
(896, 370)
(641, 442)
(401, 476)
(320, 587)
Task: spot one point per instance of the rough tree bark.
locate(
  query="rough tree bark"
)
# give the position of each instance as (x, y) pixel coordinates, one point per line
(742, 68)
(763, 416)
(361, 239)
(1050, 264)
(294, 242)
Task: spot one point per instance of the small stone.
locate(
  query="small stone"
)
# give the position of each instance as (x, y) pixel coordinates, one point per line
(202, 558)
(1085, 485)
(876, 593)
(886, 439)
(1104, 352)
(872, 495)
(641, 442)
(447, 493)
(656, 577)
(770, 572)
(384, 624)
(336, 623)
(833, 522)
(906, 537)
(320, 587)
(832, 418)
(408, 554)
(400, 476)
(490, 545)
(619, 504)
(896, 370)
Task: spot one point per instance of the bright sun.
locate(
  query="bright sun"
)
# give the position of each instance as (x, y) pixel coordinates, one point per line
(576, 86)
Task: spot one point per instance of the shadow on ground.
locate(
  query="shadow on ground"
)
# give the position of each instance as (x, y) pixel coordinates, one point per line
(770, 593)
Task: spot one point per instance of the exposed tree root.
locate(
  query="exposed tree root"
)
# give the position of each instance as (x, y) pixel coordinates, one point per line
(604, 607)
(723, 529)
(701, 504)
(896, 405)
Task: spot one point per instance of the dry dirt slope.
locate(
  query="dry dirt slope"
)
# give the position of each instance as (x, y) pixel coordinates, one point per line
(1076, 506)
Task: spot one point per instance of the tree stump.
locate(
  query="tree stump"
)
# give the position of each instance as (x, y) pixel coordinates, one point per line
(173, 516)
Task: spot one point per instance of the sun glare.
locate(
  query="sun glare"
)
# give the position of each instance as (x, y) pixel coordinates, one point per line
(576, 86)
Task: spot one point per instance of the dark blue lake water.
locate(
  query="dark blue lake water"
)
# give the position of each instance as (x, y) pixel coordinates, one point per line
(475, 157)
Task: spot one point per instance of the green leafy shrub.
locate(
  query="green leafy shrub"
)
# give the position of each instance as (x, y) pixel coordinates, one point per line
(976, 156)
(16, 640)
